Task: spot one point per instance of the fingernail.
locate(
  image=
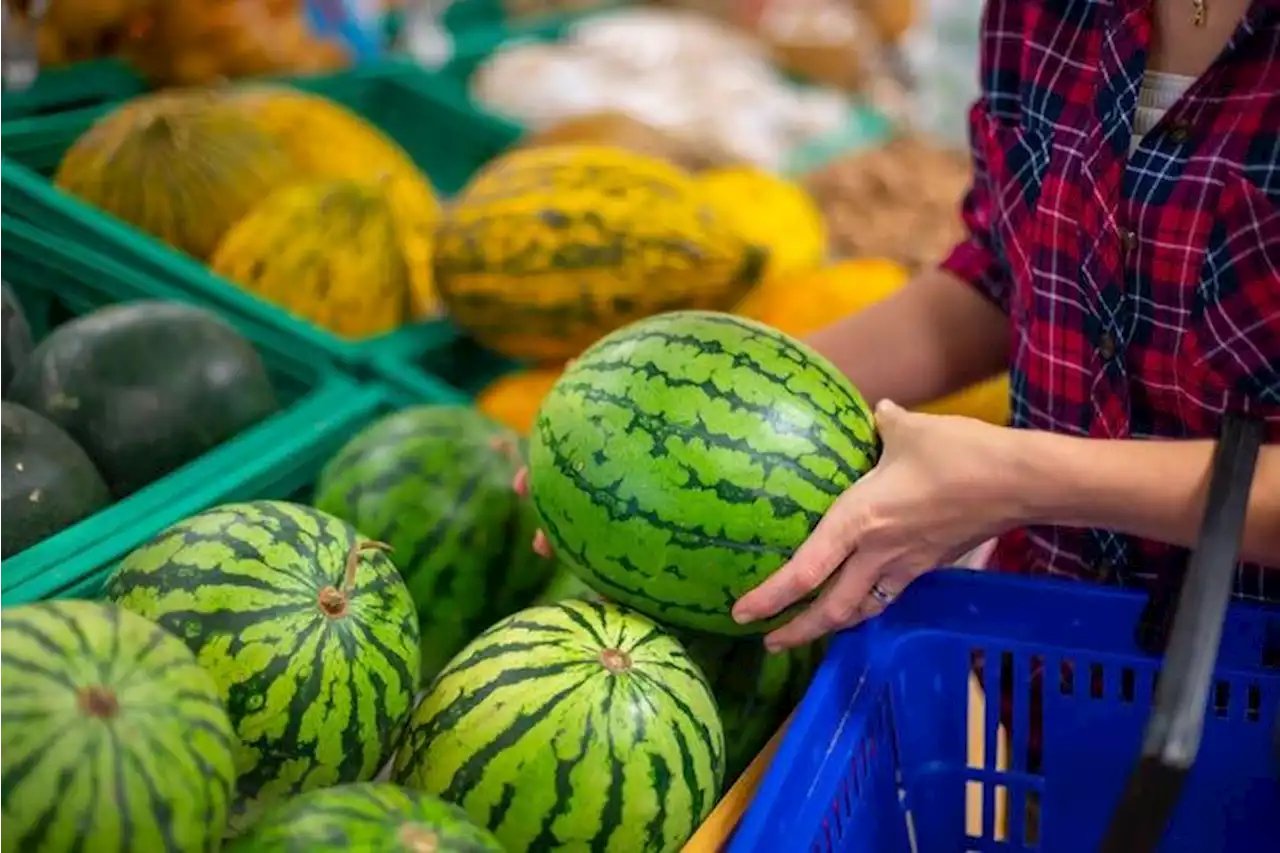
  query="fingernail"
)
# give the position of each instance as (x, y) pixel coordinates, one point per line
(741, 616)
(541, 546)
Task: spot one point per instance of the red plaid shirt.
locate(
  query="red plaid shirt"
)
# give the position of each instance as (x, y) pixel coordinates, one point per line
(1144, 288)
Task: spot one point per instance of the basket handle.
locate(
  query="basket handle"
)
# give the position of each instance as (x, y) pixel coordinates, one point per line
(1203, 593)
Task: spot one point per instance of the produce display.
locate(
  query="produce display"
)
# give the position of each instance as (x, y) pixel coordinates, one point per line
(434, 482)
(708, 84)
(571, 726)
(146, 387)
(291, 196)
(49, 481)
(681, 460)
(184, 41)
(366, 816)
(114, 739)
(548, 249)
(308, 632)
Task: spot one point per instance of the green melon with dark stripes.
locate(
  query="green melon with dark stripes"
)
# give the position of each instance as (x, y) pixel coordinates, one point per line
(114, 739)
(754, 690)
(305, 626)
(434, 482)
(571, 726)
(375, 817)
(681, 460)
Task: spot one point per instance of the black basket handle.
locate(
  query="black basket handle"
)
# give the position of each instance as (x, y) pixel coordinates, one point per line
(1193, 632)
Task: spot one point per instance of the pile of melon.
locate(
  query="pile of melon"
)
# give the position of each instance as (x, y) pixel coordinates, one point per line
(286, 194)
(109, 402)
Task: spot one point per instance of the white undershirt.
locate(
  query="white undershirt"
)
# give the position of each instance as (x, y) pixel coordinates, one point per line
(1159, 92)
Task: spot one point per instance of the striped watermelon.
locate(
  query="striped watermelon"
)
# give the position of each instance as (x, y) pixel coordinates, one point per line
(754, 690)
(435, 483)
(366, 816)
(572, 726)
(114, 738)
(681, 460)
(308, 632)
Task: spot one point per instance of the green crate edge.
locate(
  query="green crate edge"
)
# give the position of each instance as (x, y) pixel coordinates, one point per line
(327, 388)
(32, 198)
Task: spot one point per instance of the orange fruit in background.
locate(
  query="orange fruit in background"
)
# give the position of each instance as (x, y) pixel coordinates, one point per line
(802, 304)
(513, 400)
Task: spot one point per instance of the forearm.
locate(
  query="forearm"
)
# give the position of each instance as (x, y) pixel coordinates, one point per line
(933, 337)
(1152, 489)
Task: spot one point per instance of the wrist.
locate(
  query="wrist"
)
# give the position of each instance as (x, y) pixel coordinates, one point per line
(1024, 486)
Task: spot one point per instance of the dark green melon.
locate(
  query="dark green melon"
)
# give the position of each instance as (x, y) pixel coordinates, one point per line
(15, 338)
(754, 690)
(575, 726)
(373, 817)
(146, 387)
(681, 460)
(435, 482)
(565, 584)
(114, 738)
(306, 628)
(49, 483)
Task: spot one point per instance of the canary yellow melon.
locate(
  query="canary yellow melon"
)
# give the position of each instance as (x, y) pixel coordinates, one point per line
(513, 399)
(770, 211)
(183, 167)
(550, 248)
(326, 140)
(327, 252)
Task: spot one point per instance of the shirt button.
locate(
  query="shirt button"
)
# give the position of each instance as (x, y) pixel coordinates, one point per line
(1107, 346)
(1129, 241)
(1179, 131)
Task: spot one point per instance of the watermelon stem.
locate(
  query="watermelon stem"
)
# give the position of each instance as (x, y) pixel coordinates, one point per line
(615, 660)
(99, 701)
(333, 600)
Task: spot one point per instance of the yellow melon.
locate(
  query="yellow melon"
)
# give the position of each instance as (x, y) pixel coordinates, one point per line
(513, 399)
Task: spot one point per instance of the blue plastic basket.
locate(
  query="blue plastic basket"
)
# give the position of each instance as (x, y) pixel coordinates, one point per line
(877, 761)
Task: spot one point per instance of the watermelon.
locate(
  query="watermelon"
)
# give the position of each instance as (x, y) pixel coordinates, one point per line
(571, 726)
(369, 816)
(434, 482)
(15, 337)
(146, 387)
(114, 739)
(754, 690)
(681, 460)
(49, 482)
(565, 584)
(308, 632)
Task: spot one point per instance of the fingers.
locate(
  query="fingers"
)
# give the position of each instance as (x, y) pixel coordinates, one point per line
(846, 601)
(542, 546)
(521, 482)
(821, 554)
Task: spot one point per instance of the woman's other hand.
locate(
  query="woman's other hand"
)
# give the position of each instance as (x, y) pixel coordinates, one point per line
(943, 486)
(541, 546)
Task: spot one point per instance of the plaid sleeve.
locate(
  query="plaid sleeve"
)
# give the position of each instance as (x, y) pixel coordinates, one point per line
(976, 259)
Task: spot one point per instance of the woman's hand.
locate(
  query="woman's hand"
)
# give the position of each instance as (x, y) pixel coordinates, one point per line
(943, 486)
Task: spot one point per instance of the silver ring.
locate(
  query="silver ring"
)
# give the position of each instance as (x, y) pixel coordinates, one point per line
(881, 594)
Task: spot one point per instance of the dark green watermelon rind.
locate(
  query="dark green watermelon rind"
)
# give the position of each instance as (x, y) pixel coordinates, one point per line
(364, 816)
(159, 775)
(682, 460)
(527, 731)
(429, 482)
(315, 701)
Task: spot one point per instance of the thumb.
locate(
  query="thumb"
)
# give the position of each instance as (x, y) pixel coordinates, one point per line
(889, 415)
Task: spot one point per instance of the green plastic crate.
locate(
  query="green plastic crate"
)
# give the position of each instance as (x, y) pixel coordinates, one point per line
(55, 280)
(447, 139)
(83, 84)
(283, 469)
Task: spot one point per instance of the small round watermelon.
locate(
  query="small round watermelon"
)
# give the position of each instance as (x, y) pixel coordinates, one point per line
(571, 726)
(114, 738)
(49, 482)
(434, 482)
(306, 628)
(375, 817)
(681, 460)
(146, 387)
